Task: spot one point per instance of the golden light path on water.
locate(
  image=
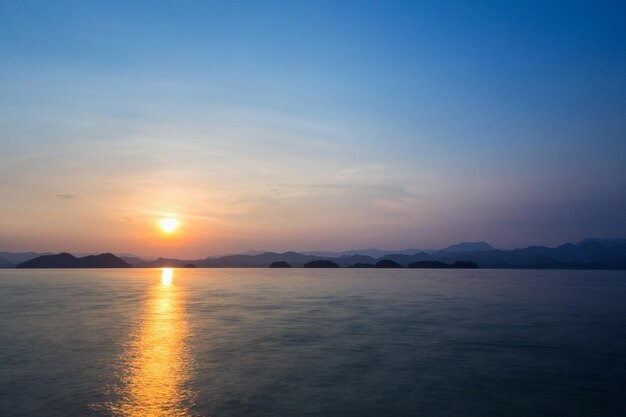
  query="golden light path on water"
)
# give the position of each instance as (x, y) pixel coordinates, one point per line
(156, 365)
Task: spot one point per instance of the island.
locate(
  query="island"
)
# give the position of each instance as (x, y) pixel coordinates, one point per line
(441, 265)
(280, 264)
(387, 263)
(362, 265)
(66, 260)
(321, 263)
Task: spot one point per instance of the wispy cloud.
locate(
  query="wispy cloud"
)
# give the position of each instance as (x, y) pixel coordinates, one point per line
(67, 196)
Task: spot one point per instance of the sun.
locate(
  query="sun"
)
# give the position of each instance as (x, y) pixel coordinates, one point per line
(168, 225)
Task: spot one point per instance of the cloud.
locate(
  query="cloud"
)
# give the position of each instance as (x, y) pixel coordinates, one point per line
(67, 196)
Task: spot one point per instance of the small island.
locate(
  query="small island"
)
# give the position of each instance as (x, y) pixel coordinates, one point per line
(362, 265)
(322, 263)
(387, 263)
(442, 265)
(280, 264)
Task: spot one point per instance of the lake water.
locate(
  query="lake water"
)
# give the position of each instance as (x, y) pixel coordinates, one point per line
(302, 342)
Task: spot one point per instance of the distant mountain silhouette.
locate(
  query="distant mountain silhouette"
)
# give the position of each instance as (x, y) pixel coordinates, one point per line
(132, 260)
(387, 263)
(469, 247)
(609, 243)
(347, 260)
(587, 254)
(379, 253)
(404, 260)
(62, 260)
(262, 260)
(322, 263)
(15, 258)
(5, 264)
(66, 260)
(429, 264)
(104, 260)
(438, 265)
(372, 253)
(164, 263)
(189, 266)
(280, 264)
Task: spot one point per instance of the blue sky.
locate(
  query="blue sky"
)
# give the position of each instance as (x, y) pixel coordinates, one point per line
(310, 125)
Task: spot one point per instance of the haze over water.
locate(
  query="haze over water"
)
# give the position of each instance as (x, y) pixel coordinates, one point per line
(257, 342)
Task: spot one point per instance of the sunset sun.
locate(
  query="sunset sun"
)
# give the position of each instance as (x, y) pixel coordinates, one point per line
(168, 225)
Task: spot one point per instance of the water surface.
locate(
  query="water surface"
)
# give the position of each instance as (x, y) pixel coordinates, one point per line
(298, 342)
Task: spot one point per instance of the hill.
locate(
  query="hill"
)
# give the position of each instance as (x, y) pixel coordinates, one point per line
(280, 264)
(609, 243)
(387, 263)
(481, 246)
(586, 254)
(5, 264)
(66, 260)
(321, 263)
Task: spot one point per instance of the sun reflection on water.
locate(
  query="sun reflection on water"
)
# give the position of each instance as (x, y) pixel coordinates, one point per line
(156, 366)
(166, 276)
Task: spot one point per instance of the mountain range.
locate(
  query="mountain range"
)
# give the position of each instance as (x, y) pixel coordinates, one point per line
(586, 254)
(66, 260)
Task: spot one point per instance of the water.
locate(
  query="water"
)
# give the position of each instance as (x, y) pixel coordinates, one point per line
(253, 342)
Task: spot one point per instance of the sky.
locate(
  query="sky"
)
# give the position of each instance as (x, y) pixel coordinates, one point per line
(306, 125)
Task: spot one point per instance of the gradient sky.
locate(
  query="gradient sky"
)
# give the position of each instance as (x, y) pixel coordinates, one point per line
(310, 125)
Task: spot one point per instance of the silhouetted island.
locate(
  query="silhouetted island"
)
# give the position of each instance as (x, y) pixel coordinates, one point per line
(439, 265)
(387, 263)
(587, 254)
(322, 263)
(66, 260)
(189, 266)
(429, 264)
(280, 264)
(362, 265)
(465, 264)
